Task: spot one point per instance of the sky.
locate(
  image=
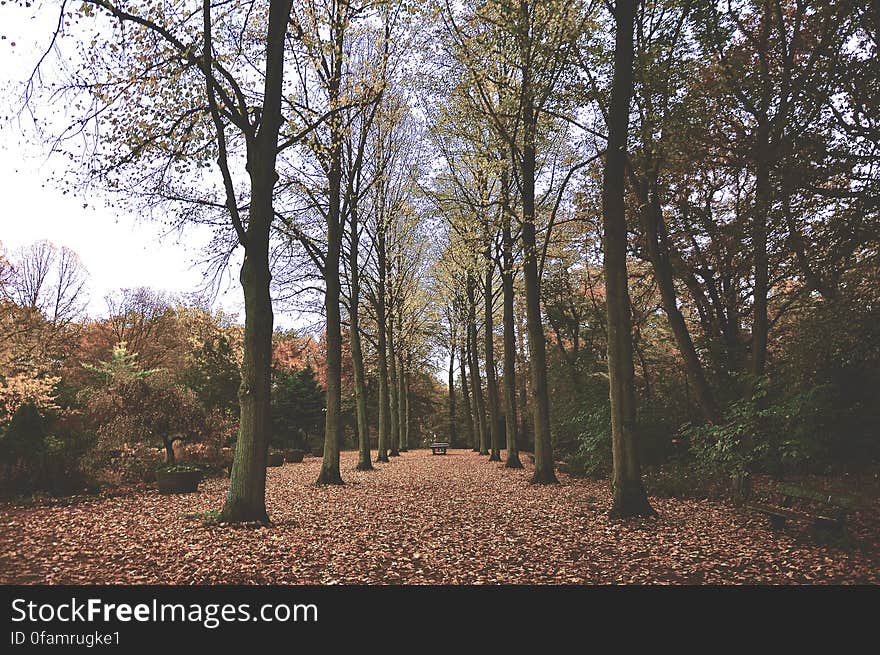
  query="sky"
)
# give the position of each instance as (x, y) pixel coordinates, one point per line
(118, 249)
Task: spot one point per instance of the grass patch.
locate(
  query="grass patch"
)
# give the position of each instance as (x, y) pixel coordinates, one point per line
(211, 517)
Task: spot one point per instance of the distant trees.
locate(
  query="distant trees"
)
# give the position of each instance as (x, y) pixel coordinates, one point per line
(210, 110)
(47, 279)
(297, 409)
(42, 295)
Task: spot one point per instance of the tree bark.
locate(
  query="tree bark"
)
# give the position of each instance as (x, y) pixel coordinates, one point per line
(658, 252)
(357, 355)
(169, 452)
(544, 471)
(509, 375)
(401, 402)
(393, 389)
(491, 382)
(382, 349)
(404, 435)
(522, 394)
(482, 446)
(468, 415)
(452, 344)
(630, 498)
(760, 324)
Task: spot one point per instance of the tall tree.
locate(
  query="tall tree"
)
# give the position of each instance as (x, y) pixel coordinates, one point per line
(453, 346)
(208, 107)
(509, 375)
(489, 348)
(630, 498)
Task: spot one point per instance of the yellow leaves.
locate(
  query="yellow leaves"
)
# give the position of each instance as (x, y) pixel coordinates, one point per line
(27, 387)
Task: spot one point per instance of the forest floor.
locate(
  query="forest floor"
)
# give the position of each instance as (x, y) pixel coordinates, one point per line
(420, 519)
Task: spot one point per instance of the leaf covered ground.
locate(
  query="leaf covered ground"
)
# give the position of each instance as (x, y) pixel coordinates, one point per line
(420, 519)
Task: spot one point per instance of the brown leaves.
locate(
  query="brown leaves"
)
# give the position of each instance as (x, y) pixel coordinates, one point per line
(417, 520)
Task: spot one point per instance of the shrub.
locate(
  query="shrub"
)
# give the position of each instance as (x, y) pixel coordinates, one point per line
(593, 455)
(38, 452)
(124, 464)
(797, 429)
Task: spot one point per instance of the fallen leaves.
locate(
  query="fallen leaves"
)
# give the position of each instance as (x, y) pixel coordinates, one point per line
(416, 520)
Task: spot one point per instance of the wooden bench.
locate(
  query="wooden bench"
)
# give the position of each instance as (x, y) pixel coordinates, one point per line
(823, 510)
(439, 448)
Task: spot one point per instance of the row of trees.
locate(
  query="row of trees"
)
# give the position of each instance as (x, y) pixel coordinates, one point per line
(398, 170)
(727, 170)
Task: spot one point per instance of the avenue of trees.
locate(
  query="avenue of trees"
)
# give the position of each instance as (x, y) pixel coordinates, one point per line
(609, 234)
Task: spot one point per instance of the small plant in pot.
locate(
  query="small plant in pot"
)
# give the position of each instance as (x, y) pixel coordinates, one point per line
(178, 479)
(275, 459)
(294, 455)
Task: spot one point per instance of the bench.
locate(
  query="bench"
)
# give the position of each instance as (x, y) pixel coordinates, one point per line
(438, 448)
(823, 510)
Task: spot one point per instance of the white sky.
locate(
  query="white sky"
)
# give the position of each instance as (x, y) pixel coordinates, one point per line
(118, 250)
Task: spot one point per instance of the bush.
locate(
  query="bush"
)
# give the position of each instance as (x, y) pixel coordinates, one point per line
(124, 464)
(791, 430)
(581, 421)
(593, 455)
(38, 452)
(297, 408)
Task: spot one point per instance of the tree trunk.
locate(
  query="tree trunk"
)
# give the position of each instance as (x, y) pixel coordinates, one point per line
(357, 356)
(468, 415)
(330, 473)
(246, 497)
(658, 253)
(401, 401)
(523, 411)
(476, 384)
(544, 473)
(405, 430)
(382, 350)
(491, 382)
(630, 498)
(452, 435)
(169, 452)
(760, 325)
(394, 390)
(509, 375)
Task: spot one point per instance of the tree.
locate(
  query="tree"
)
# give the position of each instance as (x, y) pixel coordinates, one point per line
(50, 280)
(144, 319)
(131, 403)
(630, 498)
(297, 408)
(662, 60)
(208, 107)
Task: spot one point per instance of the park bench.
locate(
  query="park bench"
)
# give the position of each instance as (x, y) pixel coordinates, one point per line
(439, 448)
(818, 508)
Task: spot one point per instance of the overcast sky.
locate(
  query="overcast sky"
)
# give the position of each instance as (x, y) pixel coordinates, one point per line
(117, 249)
